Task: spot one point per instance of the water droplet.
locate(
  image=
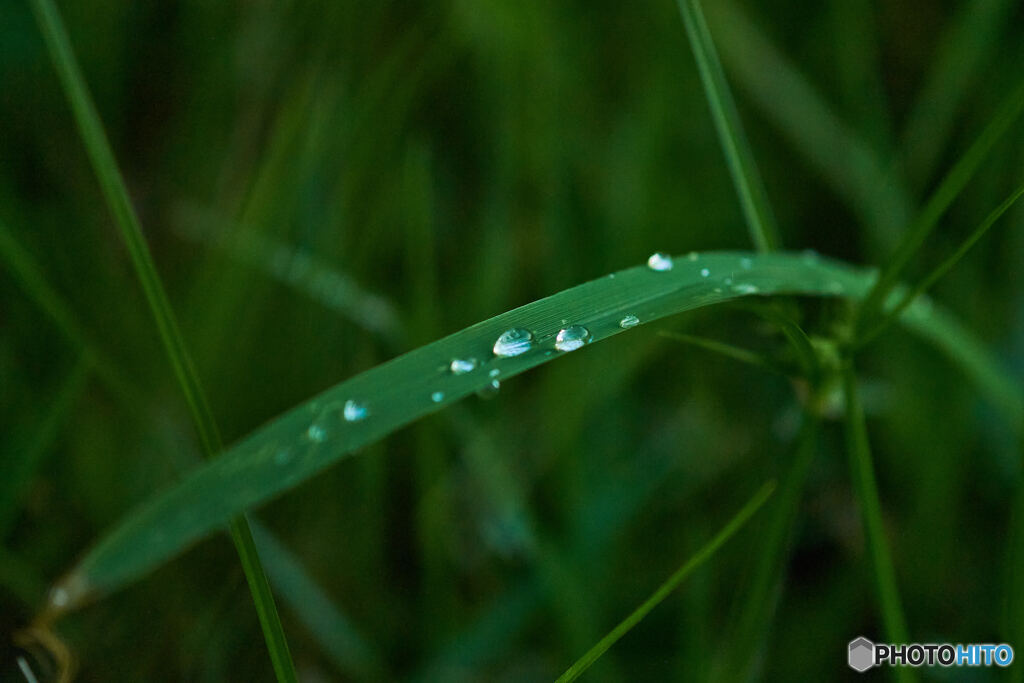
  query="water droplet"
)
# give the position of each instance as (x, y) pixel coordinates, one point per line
(692, 256)
(437, 396)
(611, 276)
(746, 263)
(494, 372)
(745, 288)
(460, 366)
(490, 390)
(660, 262)
(59, 597)
(727, 281)
(629, 321)
(316, 433)
(572, 338)
(513, 342)
(704, 272)
(354, 411)
(283, 456)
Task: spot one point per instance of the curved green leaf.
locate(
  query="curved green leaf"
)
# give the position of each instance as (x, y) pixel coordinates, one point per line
(315, 434)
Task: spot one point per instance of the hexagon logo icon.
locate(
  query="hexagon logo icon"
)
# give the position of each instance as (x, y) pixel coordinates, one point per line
(861, 654)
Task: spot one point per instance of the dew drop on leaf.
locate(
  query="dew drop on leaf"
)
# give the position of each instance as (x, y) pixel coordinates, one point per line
(572, 338)
(629, 321)
(354, 411)
(513, 342)
(659, 262)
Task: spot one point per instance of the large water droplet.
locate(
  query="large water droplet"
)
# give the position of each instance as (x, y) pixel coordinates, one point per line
(513, 342)
(659, 261)
(354, 411)
(572, 338)
(460, 366)
(437, 396)
(629, 321)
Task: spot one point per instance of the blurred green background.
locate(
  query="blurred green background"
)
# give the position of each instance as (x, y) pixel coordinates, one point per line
(326, 185)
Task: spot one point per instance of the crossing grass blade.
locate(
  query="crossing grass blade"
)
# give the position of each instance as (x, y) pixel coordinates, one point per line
(866, 488)
(286, 451)
(951, 186)
(745, 176)
(736, 353)
(116, 194)
(926, 282)
(853, 168)
(698, 558)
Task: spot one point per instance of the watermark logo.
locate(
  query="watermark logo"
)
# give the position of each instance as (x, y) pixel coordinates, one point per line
(862, 654)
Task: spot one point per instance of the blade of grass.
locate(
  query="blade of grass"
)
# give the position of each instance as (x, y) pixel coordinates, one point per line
(696, 560)
(315, 434)
(856, 172)
(29, 276)
(758, 601)
(925, 284)
(116, 194)
(963, 49)
(758, 360)
(21, 464)
(937, 204)
(352, 654)
(866, 489)
(738, 155)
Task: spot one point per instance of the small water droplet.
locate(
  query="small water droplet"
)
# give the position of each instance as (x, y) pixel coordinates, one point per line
(316, 433)
(354, 411)
(460, 366)
(572, 338)
(494, 372)
(611, 276)
(513, 342)
(704, 272)
(490, 390)
(659, 262)
(746, 263)
(437, 396)
(692, 256)
(745, 288)
(629, 321)
(283, 456)
(727, 281)
(59, 597)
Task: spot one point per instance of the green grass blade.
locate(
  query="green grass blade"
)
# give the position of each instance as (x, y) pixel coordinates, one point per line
(698, 558)
(894, 312)
(938, 203)
(758, 602)
(352, 654)
(313, 435)
(963, 50)
(866, 489)
(21, 464)
(758, 360)
(116, 195)
(30, 278)
(738, 155)
(856, 172)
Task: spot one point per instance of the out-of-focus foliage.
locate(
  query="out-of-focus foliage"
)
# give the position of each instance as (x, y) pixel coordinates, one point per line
(326, 185)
